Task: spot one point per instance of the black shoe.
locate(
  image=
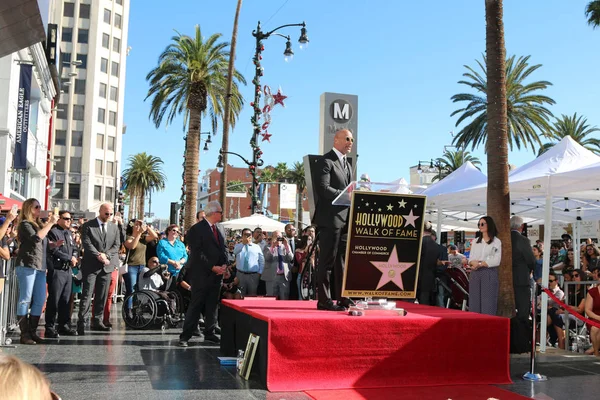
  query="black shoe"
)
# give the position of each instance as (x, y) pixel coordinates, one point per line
(183, 343)
(81, 330)
(196, 332)
(330, 306)
(99, 327)
(107, 324)
(67, 331)
(212, 338)
(51, 333)
(217, 330)
(346, 302)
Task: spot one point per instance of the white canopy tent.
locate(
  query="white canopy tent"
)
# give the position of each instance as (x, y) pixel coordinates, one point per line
(255, 221)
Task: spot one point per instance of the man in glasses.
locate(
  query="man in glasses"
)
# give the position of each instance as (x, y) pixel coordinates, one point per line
(523, 263)
(100, 239)
(250, 263)
(333, 174)
(206, 264)
(62, 256)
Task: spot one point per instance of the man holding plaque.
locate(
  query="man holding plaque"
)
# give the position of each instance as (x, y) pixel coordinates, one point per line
(333, 175)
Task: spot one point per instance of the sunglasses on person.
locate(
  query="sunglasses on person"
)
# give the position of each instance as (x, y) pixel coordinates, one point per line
(349, 139)
(176, 231)
(37, 207)
(66, 219)
(247, 234)
(481, 224)
(575, 275)
(551, 280)
(153, 262)
(108, 214)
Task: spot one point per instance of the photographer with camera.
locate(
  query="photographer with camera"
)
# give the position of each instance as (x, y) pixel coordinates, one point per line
(63, 256)
(138, 235)
(279, 260)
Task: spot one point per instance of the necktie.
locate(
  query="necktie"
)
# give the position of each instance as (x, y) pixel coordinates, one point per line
(347, 167)
(246, 258)
(291, 242)
(280, 261)
(214, 229)
(102, 229)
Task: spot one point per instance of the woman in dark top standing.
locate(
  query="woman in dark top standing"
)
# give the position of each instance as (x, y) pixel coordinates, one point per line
(31, 272)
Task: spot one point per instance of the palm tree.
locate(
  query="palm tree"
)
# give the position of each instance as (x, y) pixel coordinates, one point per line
(191, 79)
(453, 160)
(498, 127)
(592, 12)
(230, 69)
(236, 185)
(575, 127)
(143, 174)
(267, 175)
(281, 172)
(527, 110)
(296, 175)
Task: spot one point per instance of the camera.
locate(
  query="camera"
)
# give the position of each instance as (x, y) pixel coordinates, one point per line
(280, 239)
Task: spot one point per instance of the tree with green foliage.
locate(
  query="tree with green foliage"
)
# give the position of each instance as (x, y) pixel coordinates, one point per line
(577, 128)
(592, 13)
(144, 173)
(453, 160)
(296, 175)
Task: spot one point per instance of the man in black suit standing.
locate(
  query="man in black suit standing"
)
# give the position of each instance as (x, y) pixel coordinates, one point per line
(523, 264)
(206, 264)
(100, 240)
(430, 254)
(333, 174)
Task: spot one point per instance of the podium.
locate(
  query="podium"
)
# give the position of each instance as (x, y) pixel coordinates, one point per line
(384, 240)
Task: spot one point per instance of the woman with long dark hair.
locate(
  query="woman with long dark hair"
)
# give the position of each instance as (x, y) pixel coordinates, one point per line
(31, 271)
(484, 259)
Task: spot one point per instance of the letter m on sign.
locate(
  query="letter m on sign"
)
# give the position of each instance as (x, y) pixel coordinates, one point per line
(341, 112)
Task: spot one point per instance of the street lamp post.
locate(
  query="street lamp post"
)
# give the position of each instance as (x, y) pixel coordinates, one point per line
(252, 166)
(288, 53)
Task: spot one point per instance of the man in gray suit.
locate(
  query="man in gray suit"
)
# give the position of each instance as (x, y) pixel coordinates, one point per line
(279, 260)
(523, 263)
(100, 239)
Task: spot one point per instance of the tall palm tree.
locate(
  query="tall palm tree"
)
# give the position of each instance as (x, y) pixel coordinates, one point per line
(592, 12)
(575, 127)
(527, 112)
(236, 185)
(267, 175)
(191, 79)
(498, 128)
(453, 160)
(144, 173)
(281, 172)
(296, 175)
(230, 69)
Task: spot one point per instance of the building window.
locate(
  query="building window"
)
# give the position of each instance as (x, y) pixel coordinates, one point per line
(110, 169)
(59, 190)
(100, 141)
(97, 193)
(112, 118)
(65, 57)
(84, 11)
(108, 194)
(79, 86)
(62, 111)
(117, 45)
(83, 59)
(105, 41)
(75, 165)
(69, 10)
(74, 189)
(82, 35)
(77, 138)
(98, 167)
(119, 2)
(114, 93)
(110, 143)
(102, 115)
(114, 70)
(67, 34)
(107, 16)
(118, 20)
(59, 166)
(78, 112)
(104, 65)
(103, 90)
(61, 138)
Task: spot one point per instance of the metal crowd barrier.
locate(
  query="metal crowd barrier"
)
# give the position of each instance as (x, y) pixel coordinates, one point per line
(9, 296)
(566, 300)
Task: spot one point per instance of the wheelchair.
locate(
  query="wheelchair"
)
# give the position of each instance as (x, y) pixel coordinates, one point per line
(149, 309)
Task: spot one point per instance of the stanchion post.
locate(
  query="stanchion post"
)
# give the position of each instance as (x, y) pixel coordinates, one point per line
(4, 341)
(531, 375)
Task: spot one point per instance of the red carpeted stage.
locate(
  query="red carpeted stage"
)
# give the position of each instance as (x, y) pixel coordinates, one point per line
(301, 348)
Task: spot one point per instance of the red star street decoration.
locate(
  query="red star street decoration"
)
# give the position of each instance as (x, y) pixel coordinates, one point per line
(266, 136)
(279, 98)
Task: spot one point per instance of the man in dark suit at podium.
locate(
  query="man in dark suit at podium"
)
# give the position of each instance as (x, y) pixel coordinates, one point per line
(333, 175)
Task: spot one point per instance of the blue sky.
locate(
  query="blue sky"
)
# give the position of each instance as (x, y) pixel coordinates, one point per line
(402, 58)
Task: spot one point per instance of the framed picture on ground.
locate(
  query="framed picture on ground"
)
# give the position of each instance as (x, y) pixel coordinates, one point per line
(249, 355)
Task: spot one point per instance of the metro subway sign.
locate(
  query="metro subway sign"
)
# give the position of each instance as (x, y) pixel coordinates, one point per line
(341, 111)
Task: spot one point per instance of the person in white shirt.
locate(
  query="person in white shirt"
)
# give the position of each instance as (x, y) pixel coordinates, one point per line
(484, 259)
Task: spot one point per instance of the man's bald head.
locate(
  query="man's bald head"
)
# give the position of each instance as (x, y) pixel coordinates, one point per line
(343, 141)
(106, 212)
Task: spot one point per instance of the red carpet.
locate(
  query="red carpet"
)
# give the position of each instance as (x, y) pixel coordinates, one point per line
(473, 392)
(310, 349)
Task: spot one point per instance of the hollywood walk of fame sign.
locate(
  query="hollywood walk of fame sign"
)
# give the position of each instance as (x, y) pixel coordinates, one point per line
(384, 245)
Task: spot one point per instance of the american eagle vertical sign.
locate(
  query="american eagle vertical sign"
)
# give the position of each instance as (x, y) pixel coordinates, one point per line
(384, 245)
(23, 99)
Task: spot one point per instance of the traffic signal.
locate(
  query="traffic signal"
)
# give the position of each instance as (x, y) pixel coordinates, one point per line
(121, 202)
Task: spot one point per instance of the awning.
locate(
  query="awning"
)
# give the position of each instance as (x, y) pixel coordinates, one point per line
(6, 203)
(20, 25)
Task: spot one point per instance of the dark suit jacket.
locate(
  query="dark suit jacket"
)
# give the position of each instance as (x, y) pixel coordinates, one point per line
(330, 179)
(60, 256)
(205, 253)
(523, 260)
(94, 244)
(430, 253)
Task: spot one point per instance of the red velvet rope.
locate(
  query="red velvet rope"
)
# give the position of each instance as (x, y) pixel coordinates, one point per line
(571, 310)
